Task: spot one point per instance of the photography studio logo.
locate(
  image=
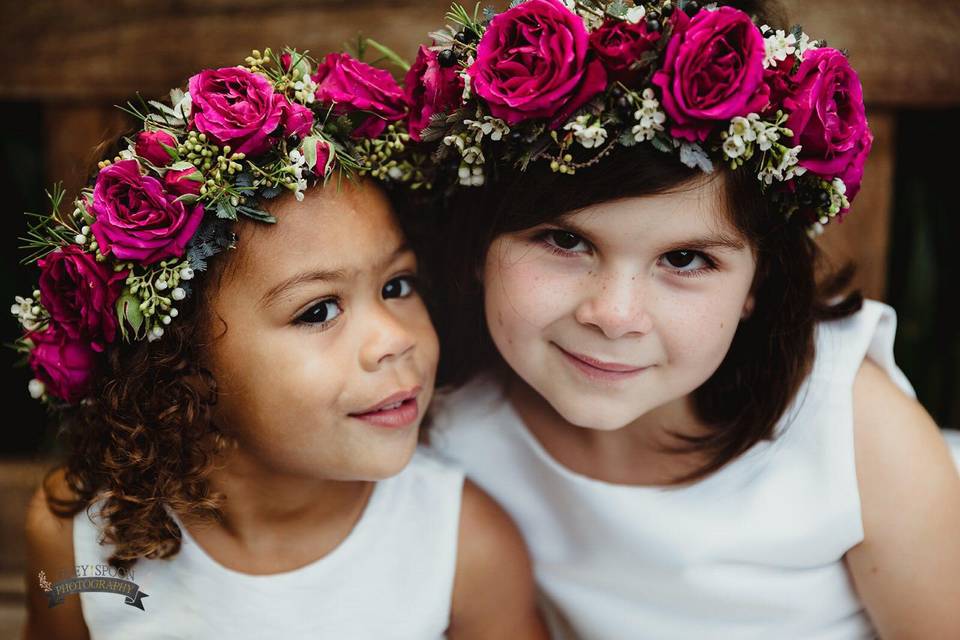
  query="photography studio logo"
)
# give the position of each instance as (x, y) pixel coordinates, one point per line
(93, 578)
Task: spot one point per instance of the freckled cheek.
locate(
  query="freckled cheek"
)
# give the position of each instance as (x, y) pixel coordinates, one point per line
(525, 296)
(699, 331)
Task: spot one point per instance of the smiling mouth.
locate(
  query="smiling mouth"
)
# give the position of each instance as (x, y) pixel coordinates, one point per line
(598, 370)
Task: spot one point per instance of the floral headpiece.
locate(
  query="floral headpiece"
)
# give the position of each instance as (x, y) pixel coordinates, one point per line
(118, 266)
(568, 81)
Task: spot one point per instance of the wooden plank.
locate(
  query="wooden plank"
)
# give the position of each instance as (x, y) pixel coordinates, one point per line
(864, 234)
(68, 50)
(906, 51)
(18, 480)
(72, 133)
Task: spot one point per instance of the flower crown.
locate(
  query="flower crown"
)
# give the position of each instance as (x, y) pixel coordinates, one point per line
(566, 82)
(122, 261)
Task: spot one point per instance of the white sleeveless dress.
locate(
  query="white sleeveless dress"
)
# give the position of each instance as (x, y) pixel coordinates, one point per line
(391, 578)
(753, 551)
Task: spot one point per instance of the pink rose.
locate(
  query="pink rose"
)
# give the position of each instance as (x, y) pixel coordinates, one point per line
(620, 44)
(136, 219)
(65, 366)
(183, 181)
(534, 61)
(239, 108)
(429, 89)
(150, 146)
(712, 72)
(778, 79)
(827, 115)
(80, 294)
(297, 119)
(353, 86)
(852, 176)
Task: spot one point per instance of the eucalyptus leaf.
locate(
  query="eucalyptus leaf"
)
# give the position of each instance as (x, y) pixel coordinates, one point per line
(256, 214)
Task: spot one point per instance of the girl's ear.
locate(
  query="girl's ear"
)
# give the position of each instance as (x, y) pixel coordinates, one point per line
(747, 307)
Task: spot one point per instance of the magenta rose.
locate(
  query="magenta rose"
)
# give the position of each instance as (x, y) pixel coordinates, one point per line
(136, 219)
(852, 176)
(80, 294)
(827, 115)
(712, 71)
(429, 89)
(534, 61)
(352, 86)
(65, 366)
(181, 182)
(236, 107)
(150, 146)
(619, 44)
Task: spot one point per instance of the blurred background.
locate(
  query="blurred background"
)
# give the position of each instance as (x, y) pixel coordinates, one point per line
(70, 61)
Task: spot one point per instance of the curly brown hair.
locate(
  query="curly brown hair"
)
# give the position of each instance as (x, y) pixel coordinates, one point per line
(145, 439)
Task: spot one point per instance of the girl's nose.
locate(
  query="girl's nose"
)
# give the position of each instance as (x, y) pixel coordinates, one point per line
(388, 339)
(616, 305)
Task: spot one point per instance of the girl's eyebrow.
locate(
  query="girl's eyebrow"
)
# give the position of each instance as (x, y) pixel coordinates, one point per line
(712, 242)
(323, 275)
(699, 243)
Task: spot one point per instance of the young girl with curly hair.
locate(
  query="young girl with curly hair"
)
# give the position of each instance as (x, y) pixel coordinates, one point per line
(243, 435)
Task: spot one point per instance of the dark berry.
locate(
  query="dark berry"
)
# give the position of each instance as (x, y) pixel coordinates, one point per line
(616, 91)
(667, 10)
(623, 103)
(465, 36)
(653, 26)
(691, 8)
(447, 58)
(294, 141)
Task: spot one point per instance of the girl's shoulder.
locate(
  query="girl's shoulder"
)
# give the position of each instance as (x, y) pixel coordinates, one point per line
(843, 345)
(910, 504)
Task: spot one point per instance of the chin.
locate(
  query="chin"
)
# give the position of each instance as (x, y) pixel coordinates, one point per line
(385, 462)
(580, 415)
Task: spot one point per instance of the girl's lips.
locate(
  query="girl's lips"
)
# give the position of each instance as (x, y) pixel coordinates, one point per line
(610, 372)
(395, 418)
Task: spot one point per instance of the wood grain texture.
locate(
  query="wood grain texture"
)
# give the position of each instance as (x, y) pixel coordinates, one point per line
(108, 51)
(906, 51)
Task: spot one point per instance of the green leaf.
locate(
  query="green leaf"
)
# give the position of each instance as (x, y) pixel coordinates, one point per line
(128, 309)
(226, 210)
(389, 54)
(256, 214)
(617, 9)
(182, 165)
(660, 145)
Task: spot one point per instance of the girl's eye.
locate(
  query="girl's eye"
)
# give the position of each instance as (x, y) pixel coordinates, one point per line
(689, 263)
(321, 313)
(563, 242)
(400, 287)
